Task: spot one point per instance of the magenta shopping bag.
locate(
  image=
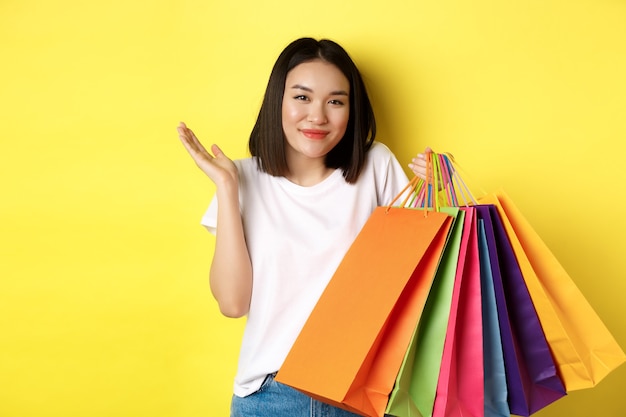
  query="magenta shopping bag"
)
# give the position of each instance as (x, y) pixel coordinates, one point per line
(460, 390)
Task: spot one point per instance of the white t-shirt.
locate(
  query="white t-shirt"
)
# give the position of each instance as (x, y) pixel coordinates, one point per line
(296, 237)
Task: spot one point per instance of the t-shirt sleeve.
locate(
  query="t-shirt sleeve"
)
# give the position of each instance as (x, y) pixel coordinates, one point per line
(397, 180)
(209, 219)
(390, 175)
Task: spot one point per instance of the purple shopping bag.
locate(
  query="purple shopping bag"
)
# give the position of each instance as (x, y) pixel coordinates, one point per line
(531, 374)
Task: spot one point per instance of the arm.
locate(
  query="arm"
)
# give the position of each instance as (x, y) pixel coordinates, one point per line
(231, 269)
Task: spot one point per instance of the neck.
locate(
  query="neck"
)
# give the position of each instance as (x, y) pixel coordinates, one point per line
(308, 173)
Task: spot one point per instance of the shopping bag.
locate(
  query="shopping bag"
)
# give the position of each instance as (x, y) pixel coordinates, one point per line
(531, 374)
(350, 349)
(460, 390)
(583, 348)
(496, 393)
(532, 381)
(413, 394)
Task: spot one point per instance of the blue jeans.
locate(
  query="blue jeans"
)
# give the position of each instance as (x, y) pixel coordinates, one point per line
(274, 399)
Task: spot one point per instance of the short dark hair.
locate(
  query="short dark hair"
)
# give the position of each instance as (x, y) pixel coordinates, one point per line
(267, 140)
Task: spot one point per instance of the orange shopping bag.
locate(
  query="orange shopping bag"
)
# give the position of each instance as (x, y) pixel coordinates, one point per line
(350, 350)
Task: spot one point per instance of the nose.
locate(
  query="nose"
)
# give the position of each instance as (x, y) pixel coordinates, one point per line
(317, 113)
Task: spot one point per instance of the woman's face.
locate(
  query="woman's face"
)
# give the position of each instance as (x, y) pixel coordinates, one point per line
(315, 109)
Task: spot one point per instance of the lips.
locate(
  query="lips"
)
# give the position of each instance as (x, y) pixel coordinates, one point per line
(314, 133)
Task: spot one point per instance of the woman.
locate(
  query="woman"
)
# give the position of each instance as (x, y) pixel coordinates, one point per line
(288, 214)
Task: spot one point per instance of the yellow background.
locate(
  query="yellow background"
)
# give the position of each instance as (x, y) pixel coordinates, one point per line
(104, 303)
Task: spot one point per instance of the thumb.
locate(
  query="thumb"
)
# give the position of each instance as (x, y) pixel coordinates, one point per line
(216, 151)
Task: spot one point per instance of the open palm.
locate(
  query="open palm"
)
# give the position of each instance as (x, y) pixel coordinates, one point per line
(215, 164)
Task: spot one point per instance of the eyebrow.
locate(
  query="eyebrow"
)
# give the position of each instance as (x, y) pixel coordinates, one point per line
(332, 93)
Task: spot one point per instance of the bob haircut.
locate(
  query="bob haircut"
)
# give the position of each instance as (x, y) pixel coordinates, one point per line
(267, 139)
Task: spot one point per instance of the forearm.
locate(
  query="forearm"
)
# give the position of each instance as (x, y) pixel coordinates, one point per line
(231, 269)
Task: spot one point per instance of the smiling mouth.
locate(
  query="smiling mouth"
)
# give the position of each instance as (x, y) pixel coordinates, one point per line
(314, 133)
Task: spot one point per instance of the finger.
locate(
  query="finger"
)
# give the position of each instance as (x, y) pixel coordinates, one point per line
(191, 142)
(196, 151)
(418, 167)
(185, 132)
(197, 144)
(418, 161)
(217, 151)
(185, 136)
(182, 129)
(422, 155)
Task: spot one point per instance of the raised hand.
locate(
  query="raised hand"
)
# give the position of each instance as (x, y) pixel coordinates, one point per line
(418, 164)
(215, 164)
(231, 269)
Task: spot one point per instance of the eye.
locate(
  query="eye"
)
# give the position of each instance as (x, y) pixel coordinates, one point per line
(301, 97)
(336, 102)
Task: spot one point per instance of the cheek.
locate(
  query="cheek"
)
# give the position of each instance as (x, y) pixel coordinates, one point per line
(290, 120)
(340, 119)
(290, 113)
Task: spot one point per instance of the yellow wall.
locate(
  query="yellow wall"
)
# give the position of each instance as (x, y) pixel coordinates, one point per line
(104, 304)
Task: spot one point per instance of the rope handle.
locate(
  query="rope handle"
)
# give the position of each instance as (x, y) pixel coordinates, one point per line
(410, 186)
(443, 186)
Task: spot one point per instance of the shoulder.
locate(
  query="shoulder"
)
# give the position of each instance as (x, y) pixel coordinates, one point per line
(385, 172)
(380, 154)
(380, 157)
(252, 178)
(248, 168)
(380, 150)
(245, 163)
